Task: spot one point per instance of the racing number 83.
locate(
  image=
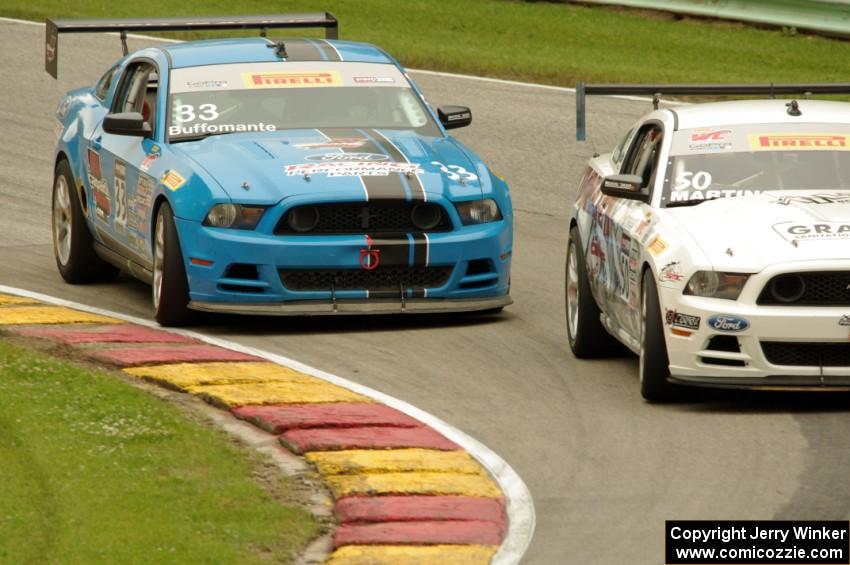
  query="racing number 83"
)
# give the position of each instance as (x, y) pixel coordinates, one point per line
(455, 172)
(186, 113)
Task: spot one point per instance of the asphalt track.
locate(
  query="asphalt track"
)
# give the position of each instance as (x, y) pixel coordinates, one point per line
(604, 468)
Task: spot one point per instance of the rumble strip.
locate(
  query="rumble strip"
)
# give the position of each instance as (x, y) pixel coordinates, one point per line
(408, 488)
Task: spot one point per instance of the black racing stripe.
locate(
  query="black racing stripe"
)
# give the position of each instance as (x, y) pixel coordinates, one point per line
(394, 251)
(416, 189)
(329, 51)
(420, 250)
(390, 187)
(302, 50)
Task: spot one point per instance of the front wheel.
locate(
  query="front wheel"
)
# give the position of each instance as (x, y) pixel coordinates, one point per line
(73, 245)
(654, 365)
(586, 335)
(170, 285)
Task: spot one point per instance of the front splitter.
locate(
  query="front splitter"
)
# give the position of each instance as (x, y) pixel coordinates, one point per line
(376, 306)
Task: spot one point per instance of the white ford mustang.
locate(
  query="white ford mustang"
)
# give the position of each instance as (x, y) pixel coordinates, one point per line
(714, 242)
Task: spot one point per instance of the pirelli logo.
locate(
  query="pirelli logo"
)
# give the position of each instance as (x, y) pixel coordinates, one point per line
(304, 79)
(799, 142)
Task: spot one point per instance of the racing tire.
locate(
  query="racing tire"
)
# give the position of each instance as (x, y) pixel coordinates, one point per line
(170, 288)
(653, 363)
(587, 337)
(73, 244)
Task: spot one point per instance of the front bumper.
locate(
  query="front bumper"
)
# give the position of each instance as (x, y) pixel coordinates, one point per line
(476, 260)
(708, 356)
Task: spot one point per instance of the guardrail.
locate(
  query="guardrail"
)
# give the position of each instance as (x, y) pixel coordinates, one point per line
(828, 17)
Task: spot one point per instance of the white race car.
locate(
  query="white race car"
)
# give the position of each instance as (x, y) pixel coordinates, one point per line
(714, 242)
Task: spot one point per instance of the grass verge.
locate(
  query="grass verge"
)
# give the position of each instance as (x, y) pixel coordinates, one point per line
(94, 470)
(542, 42)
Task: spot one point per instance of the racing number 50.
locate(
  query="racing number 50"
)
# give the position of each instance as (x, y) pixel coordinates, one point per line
(698, 181)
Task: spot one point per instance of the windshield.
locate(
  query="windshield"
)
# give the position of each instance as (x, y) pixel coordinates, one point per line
(735, 161)
(260, 97)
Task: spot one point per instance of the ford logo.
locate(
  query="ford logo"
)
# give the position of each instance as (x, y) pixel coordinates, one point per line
(723, 323)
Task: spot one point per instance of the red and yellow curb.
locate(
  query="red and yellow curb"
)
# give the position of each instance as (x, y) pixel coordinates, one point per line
(404, 492)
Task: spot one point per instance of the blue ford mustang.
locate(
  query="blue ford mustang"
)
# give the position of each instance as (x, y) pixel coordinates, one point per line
(304, 176)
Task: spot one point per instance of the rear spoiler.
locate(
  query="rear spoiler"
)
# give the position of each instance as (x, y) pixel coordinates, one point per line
(770, 90)
(122, 26)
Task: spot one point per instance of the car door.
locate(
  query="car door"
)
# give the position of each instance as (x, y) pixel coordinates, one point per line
(620, 228)
(127, 165)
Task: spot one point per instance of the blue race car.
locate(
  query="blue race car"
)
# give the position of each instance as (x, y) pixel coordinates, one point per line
(255, 176)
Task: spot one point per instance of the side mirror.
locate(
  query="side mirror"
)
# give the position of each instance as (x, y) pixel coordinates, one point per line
(624, 186)
(126, 123)
(454, 116)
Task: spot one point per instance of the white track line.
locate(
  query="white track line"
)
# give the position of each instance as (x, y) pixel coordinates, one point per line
(519, 504)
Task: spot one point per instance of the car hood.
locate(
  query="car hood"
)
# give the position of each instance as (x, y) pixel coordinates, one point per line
(252, 169)
(752, 232)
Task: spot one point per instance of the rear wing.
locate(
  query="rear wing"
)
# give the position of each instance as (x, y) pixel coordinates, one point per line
(122, 26)
(770, 90)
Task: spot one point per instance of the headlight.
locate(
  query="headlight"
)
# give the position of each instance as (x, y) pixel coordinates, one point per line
(478, 211)
(712, 284)
(234, 216)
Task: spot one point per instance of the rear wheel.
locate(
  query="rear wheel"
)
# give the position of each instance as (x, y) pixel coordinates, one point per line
(654, 365)
(170, 285)
(585, 332)
(73, 245)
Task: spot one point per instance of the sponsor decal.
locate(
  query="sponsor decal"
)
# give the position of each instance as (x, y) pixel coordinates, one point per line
(370, 258)
(798, 142)
(709, 135)
(150, 157)
(657, 246)
(300, 79)
(460, 116)
(681, 320)
(139, 204)
(94, 163)
(813, 231)
(352, 169)
(338, 143)
(727, 323)
(671, 272)
(845, 320)
(120, 186)
(50, 47)
(334, 157)
(205, 127)
(820, 198)
(172, 180)
(710, 140)
(374, 80)
(100, 190)
(620, 185)
(642, 229)
(207, 84)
